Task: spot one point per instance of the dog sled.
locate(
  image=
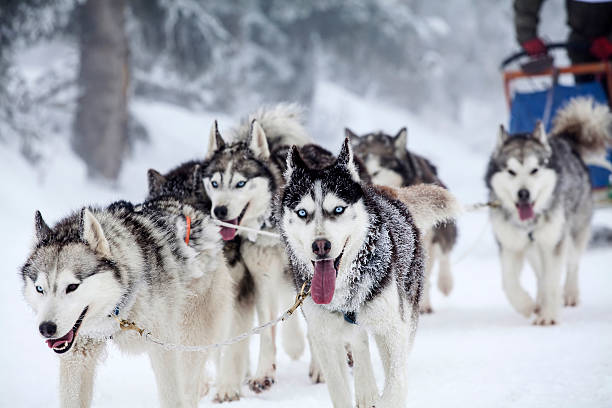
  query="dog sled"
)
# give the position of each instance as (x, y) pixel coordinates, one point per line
(537, 88)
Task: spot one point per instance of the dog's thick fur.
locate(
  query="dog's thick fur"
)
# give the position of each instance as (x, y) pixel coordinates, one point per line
(183, 183)
(371, 237)
(390, 163)
(544, 192)
(132, 261)
(242, 178)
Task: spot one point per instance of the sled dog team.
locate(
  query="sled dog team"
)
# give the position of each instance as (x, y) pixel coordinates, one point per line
(362, 231)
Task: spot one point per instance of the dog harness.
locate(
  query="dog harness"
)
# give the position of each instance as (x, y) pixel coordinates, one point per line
(350, 317)
(188, 232)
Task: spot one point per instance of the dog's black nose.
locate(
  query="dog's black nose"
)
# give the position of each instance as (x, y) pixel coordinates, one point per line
(321, 247)
(47, 329)
(523, 194)
(220, 212)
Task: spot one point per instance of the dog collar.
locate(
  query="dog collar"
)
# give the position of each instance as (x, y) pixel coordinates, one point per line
(350, 317)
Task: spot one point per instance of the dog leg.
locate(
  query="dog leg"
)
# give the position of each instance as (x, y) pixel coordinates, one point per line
(264, 377)
(533, 257)
(425, 305)
(168, 377)
(327, 335)
(235, 358)
(571, 293)
(445, 279)
(77, 370)
(366, 392)
(553, 258)
(512, 263)
(292, 334)
(314, 372)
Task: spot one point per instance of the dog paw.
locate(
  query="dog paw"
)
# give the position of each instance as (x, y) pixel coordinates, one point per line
(227, 393)
(425, 309)
(544, 320)
(315, 373)
(570, 298)
(366, 400)
(260, 384)
(445, 284)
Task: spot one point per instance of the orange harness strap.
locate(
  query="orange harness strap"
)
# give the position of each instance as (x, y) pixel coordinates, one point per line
(188, 221)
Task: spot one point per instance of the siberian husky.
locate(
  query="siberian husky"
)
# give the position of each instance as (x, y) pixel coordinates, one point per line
(358, 248)
(158, 264)
(543, 188)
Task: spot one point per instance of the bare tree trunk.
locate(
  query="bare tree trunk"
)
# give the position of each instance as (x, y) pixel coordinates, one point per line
(100, 127)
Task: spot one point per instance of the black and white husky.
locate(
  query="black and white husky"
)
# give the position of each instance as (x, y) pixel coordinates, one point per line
(391, 164)
(158, 264)
(543, 188)
(242, 178)
(359, 249)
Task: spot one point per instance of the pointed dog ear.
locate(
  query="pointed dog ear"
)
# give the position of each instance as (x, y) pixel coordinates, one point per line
(502, 136)
(92, 233)
(41, 228)
(353, 137)
(346, 159)
(156, 181)
(401, 139)
(294, 161)
(258, 143)
(539, 133)
(399, 142)
(215, 141)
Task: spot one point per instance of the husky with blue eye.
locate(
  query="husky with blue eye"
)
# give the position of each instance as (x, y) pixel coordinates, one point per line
(359, 250)
(158, 264)
(242, 175)
(543, 188)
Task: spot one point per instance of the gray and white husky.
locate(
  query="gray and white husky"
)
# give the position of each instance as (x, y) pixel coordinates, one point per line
(158, 264)
(241, 179)
(543, 188)
(391, 164)
(359, 249)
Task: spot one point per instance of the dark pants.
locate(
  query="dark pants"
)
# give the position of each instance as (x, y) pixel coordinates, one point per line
(587, 22)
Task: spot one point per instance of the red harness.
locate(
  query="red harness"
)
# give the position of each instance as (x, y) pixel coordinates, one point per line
(188, 221)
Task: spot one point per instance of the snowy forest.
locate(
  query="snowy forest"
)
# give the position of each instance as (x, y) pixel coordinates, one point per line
(231, 56)
(96, 93)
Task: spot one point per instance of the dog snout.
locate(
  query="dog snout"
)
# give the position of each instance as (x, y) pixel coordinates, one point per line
(47, 329)
(220, 212)
(523, 195)
(321, 247)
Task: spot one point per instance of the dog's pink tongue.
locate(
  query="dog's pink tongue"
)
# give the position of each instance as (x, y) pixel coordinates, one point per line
(228, 233)
(58, 342)
(323, 282)
(525, 211)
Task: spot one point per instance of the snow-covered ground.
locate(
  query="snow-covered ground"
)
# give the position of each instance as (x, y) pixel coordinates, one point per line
(473, 351)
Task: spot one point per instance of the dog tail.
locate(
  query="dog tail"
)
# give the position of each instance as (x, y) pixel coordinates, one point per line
(428, 204)
(587, 125)
(283, 124)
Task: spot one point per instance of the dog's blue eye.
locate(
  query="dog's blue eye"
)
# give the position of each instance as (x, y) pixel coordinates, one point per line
(214, 184)
(339, 209)
(534, 171)
(72, 287)
(302, 213)
(39, 289)
(512, 173)
(240, 184)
